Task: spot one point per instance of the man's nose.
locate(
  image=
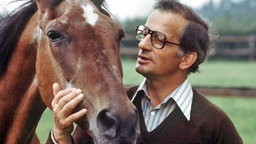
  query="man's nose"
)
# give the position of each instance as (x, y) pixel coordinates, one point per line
(145, 43)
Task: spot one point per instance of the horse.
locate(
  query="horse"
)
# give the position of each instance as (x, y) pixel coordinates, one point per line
(76, 44)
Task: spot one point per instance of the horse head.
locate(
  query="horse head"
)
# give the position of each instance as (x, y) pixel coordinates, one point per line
(78, 46)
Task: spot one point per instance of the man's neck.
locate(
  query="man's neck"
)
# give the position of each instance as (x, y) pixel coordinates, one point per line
(159, 89)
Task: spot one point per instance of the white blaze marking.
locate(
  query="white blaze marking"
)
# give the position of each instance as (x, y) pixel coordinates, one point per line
(37, 34)
(90, 16)
(69, 85)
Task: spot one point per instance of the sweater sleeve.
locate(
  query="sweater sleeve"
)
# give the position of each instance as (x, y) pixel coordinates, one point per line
(213, 122)
(79, 137)
(51, 139)
(228, 133)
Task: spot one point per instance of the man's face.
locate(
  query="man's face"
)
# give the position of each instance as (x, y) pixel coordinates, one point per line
(164, 62)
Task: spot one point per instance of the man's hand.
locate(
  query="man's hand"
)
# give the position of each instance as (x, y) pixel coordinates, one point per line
(63, 105)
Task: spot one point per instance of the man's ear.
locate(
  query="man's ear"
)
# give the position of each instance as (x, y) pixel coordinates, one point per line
(187, 60)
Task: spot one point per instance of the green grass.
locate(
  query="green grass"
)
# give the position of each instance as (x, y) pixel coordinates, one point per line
(45, 125)
(211, 73)
(241, 110)
(226, 73)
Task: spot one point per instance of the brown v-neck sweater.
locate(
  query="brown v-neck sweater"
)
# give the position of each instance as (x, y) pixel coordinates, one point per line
(208, 124)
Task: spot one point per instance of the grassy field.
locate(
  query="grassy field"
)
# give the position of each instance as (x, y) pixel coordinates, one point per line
(241, 110)
(211, 73)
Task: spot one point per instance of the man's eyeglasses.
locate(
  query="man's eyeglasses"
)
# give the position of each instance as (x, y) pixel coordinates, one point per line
(158, 39)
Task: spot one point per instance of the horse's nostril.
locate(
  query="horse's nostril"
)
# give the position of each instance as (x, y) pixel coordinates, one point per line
(107, 123)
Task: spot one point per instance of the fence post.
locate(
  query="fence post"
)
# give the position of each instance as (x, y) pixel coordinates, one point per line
(252, 48)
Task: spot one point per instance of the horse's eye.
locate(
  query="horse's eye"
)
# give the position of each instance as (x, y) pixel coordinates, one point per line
(55, 36)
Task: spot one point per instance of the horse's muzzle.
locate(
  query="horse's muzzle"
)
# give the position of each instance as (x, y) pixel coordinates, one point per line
(118, 130)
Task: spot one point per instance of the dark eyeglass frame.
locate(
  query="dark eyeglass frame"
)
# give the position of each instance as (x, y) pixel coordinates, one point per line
(152, 33)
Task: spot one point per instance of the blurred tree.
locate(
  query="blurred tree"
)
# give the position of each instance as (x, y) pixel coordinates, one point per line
(227, 17)
(232, 17)
(130, 24)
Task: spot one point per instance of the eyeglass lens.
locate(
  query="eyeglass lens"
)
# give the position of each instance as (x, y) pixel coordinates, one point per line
(157, 38)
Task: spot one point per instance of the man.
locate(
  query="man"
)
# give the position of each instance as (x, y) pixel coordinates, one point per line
(173, 43)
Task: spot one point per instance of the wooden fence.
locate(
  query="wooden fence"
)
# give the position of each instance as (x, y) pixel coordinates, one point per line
(234, 47)
(226, 91)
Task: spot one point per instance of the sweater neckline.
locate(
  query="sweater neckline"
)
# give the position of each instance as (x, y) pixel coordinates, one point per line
(169, 119)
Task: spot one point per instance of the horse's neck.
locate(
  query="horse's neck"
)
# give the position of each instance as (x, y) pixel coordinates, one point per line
(26, 116)
(20, 102)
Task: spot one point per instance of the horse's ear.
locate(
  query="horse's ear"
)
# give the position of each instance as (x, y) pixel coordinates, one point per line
(44, 4)
(99, 4)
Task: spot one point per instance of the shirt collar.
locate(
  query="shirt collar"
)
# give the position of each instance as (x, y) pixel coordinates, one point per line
(182, 95)
(142, 87)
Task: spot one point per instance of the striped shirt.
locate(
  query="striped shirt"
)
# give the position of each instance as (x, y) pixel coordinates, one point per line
(181, 97)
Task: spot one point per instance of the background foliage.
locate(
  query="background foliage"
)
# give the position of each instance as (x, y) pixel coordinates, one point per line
(225, 18)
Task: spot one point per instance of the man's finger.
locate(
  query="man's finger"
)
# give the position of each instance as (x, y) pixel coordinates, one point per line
(56, 88)
(76, 116)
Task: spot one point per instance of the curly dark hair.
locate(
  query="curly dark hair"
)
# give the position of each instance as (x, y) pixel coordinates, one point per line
(195, 36)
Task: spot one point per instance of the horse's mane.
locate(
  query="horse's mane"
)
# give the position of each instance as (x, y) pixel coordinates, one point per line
(11, 28)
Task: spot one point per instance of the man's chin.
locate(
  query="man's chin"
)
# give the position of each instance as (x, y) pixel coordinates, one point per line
(141, 70)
